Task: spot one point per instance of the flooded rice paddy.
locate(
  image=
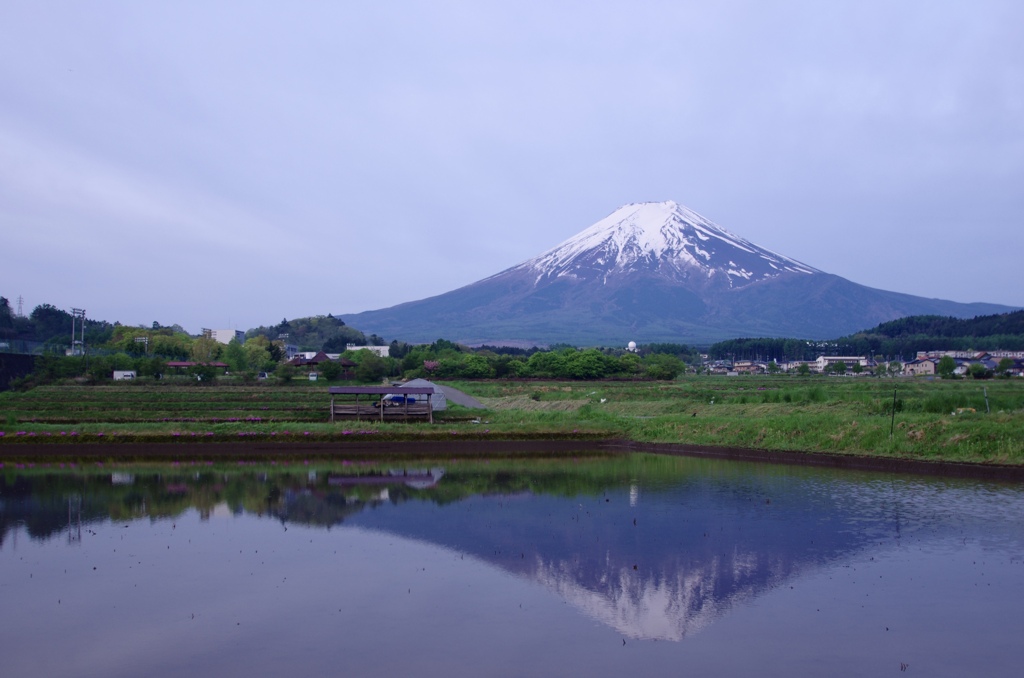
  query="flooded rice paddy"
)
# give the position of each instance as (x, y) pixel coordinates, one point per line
(638, 565)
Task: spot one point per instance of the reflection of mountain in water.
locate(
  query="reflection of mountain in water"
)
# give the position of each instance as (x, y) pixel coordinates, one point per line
(693, 551)
(656, 558)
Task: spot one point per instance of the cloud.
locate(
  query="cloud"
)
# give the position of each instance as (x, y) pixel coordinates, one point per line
(291, 157)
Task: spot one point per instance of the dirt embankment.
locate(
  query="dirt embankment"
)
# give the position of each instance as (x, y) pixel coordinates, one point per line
(468, 449)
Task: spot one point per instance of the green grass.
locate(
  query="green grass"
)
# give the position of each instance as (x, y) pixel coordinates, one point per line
(816, 414)
(934, 419)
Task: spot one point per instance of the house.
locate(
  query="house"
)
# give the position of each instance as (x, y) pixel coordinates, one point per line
(958, 355)
(749, 367)
(719, 366)
(1013, 355)
(312, 360)
(308, 359)
(921, 367)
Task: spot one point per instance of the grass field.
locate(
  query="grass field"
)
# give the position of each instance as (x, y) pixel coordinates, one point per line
(946, 420)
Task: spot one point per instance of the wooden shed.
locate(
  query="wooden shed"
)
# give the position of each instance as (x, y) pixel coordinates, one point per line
(367, 402)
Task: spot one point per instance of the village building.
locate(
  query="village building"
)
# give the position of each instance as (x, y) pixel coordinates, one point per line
(921, 367)
(825, 362)
(224, 336)
(382, 351)
(749, 367)
(312, 360)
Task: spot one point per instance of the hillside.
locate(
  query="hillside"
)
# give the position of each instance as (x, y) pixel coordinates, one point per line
(894, 339)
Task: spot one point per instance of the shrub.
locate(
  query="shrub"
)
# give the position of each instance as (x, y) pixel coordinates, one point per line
(285, 373)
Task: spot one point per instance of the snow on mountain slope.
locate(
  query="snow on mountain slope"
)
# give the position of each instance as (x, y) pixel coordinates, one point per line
(665, 238)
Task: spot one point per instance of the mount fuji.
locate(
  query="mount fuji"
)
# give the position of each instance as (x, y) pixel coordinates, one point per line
(653, 272)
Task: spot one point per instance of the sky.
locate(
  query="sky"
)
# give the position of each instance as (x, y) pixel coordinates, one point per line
(230, 164)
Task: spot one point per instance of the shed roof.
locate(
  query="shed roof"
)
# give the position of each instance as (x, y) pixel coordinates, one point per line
(380, 390)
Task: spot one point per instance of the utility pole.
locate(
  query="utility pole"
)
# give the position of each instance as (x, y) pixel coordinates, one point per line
(78, 339)
(892, 424)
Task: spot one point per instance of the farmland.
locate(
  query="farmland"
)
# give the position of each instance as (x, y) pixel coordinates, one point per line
(965, 421)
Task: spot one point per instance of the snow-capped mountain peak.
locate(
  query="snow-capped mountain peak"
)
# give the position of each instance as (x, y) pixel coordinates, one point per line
(664, 238)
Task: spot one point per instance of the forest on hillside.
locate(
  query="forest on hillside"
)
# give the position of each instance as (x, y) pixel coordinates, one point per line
(896, 339)
(47, 329)
(316, 333)
(47, 325)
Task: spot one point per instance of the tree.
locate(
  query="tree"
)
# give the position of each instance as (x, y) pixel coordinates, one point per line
(236, 357)
(946, 367)
(6, 317)
(206, 349)
(371, 366)
(276, 351)
(257, 354)
(662, 366)
(151, 367)
(773, 367)
(475, 367)
(979, 371)
(285, 373)
(839, 367)
(546, 364)
(330, 370)
(1004, 367)
(589, 364)
(204, 373)
(50, 322)
(443, 345)
(515, 368)
(857, 368)
(803, 369)
(629, 364)
(174, 346)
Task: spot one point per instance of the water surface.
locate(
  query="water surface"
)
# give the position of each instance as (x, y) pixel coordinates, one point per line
(636, 565)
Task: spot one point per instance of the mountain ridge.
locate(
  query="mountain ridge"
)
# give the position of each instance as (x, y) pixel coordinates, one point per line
(653, 272)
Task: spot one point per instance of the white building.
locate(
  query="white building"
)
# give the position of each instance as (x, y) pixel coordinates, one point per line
(382, 351)
(826, 361)
(225, 336)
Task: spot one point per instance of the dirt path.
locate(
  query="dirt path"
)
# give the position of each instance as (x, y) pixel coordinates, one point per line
(459, 398)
